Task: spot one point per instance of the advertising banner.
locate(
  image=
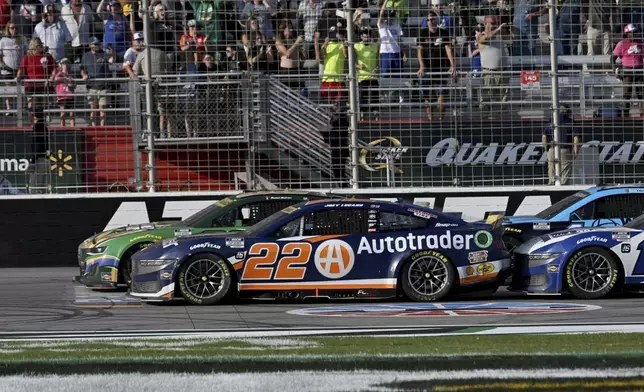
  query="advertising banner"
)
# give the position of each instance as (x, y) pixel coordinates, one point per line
(493, 153)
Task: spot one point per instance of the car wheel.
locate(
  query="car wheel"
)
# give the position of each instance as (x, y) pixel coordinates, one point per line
(591, 273)
(427, 276)
(204, 279)
(125, 264)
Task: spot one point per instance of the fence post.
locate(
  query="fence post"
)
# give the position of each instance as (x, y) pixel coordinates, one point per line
(556, 135)
(149, 101)
(353, 95)
(134, 88)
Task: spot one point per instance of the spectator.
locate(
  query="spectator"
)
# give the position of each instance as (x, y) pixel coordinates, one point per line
(193, 43)
(5, 13)
(494, 60)
(132, 53)
(292, 54)
(252, 26)
(209, 67)
(12, 48)
(117, 28)
(328, 22)
(598, 25)
(94, 69)
(569, 27)
(445, 22)
(569, 137)
(37, 66)
(78, 18)
(309, 13)
(390, 33)
(159, 66)
(526, 26)
(53, 32)
(65, 86)
(434, 53)
(259, 53)
(27, 18)
(367, 65)
(630, 51)
(207, 15)
(260, 10)
(236, 61)
(475, 54)
(164, 34)
(334, 53)
(632, 12)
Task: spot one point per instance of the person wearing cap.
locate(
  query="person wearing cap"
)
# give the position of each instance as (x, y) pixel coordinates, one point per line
(65, 86)
(367, 51)
(53, 32)
(94, 71)
(79, 19)
(630, 51)
(193, 43)
(131, 55)
(118, 29)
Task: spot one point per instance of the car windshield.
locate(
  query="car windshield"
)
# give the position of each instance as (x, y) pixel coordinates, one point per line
(197, 217)
(637, 223)
(262, 225)
(561, 205)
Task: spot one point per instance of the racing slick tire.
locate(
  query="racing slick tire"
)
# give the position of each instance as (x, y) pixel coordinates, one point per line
(427, 276)
(591, 273)
(125, 264)
(204, 279)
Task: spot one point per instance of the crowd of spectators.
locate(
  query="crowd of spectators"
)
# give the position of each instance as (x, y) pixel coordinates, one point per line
(74, 39)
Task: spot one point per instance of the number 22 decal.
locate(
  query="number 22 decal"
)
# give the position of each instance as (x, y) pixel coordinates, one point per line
(291, 265)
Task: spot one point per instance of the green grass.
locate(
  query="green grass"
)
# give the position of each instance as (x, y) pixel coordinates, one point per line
(328, 352)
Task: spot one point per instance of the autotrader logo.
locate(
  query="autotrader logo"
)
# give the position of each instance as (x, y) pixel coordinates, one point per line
(60, 163)
(334, 259)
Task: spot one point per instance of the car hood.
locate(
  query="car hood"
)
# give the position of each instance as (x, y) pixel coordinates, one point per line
(130, 230)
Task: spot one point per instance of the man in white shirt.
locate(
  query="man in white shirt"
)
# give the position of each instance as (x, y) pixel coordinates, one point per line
(78, 18)
(53, 33)
(132, 53)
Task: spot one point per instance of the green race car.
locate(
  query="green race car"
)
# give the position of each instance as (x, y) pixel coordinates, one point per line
(104, 259)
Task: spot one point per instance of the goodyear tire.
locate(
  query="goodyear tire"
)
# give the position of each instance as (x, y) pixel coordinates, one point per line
(427, 276)
(125, 264)
(591, 273)
(204, 279)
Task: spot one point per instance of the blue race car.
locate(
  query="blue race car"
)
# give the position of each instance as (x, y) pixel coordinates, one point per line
(603, 206)
(332, 249)
(589, 263)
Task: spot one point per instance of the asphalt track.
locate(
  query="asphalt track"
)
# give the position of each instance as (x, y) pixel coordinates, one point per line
(48, 300)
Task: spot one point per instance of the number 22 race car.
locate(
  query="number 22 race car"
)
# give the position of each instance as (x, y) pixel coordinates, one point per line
(331, 249)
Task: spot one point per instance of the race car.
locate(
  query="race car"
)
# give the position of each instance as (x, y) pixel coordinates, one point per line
(104, 259)
(589, 263)
(603, 206)
(328, 249)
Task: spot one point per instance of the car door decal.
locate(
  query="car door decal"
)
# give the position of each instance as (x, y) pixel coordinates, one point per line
(264, 255)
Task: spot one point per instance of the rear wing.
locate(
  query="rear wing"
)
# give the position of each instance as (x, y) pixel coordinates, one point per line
(496, 221)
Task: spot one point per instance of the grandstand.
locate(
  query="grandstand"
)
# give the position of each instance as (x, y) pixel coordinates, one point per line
(257, 94)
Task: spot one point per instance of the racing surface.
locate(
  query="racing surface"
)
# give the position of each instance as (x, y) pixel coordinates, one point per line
(48, 300)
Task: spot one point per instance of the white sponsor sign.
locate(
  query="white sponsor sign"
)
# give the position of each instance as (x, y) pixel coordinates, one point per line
(14, 165)
(205, 245)
(415, 242)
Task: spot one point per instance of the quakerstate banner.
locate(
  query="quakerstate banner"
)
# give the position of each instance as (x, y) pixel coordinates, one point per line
(63, 166)
(488, 153)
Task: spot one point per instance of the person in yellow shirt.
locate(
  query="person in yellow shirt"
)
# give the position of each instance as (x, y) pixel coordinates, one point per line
(367, 66)
(334, 53)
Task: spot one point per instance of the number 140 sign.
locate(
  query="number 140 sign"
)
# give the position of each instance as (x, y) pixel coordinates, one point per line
(530, 80)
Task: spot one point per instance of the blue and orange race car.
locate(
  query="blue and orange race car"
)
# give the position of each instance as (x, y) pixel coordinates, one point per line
(329, 249)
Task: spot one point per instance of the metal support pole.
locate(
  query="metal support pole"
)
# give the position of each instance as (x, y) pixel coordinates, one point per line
(353, 94)
(556, 137)
(149, 101)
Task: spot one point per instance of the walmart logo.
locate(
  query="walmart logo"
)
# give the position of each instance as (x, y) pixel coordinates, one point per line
(60, 163)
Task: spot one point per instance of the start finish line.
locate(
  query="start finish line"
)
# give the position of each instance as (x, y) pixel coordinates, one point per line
(445, 309)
